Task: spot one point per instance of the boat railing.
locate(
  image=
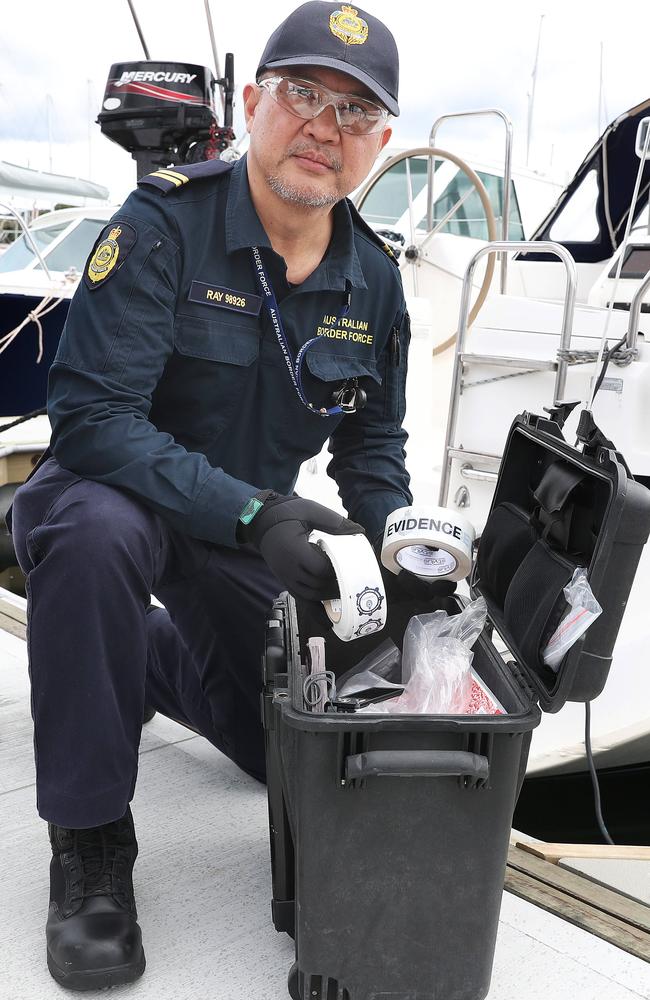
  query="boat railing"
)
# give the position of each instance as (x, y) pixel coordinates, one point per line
(462, 360)
(635, 312)
(27, 234)
(507, 176)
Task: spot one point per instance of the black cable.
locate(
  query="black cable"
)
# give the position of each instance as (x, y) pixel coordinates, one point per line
(606, 359)
(594, 777)
(607, 356)
(22, 420)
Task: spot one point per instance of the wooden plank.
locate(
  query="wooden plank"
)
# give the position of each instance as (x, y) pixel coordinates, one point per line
(13, 606)
(577, 888)
(13, 627)
(606, 852)
(623, 935)
(628, 878)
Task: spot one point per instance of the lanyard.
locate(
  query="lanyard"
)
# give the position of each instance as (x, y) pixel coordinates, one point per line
(294, 368)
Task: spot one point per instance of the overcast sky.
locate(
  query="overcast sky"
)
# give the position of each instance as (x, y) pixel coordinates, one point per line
(454, 56)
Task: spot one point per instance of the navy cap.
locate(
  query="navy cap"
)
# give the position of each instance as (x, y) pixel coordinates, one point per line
(341, 37)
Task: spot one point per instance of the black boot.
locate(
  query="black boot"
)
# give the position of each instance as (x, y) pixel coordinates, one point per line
(93, 939)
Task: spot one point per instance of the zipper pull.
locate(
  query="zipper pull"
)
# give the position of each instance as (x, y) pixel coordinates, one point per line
(394, 346)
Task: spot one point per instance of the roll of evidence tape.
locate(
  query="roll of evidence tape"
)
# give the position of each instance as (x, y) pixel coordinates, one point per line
(361, 609)
(430, 542)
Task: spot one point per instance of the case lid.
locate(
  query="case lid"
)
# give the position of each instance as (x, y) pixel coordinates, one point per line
(556, 508)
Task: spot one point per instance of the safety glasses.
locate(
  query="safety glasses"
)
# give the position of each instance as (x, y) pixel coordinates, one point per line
(306, 100)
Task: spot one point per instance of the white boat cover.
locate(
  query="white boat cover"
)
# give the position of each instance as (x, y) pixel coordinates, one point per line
(23, 181)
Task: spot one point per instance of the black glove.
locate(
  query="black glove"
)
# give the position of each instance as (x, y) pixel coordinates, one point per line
(280, 531)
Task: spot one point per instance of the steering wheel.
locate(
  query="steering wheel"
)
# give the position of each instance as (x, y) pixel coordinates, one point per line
(413, 253)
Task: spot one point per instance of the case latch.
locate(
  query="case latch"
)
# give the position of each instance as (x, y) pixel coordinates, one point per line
(560, 413)
(594, 441)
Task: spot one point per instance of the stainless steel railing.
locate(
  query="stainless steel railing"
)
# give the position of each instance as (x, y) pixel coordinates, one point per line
(507, 175)
(28, 235)
(461, 360)
(635, 312)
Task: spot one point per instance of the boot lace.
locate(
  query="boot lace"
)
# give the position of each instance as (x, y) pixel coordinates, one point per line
(99, 865)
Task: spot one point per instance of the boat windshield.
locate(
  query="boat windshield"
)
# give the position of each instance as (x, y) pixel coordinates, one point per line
(72, 251)
(387, 203)
(20, 253)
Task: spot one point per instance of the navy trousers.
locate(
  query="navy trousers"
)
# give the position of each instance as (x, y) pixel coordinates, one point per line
(98, 651)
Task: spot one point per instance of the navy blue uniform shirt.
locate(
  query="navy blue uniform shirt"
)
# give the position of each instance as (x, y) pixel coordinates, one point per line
(169, 381)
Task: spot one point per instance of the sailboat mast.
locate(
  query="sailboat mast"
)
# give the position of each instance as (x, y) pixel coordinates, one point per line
(215, 54)
(531, 96)
(48, 115)
(90, 117)
(601, 98)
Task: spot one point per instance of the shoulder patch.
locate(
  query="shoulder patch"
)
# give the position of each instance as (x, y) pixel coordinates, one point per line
(111, 249)
(167, 179)
(368, 231)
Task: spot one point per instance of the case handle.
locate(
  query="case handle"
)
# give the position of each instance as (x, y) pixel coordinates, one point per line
(556, 486)
(417, 764)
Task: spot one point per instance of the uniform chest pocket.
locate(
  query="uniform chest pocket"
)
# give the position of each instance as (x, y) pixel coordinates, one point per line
(214, 362)
(328, 372)
(216, 341)
(338, 367)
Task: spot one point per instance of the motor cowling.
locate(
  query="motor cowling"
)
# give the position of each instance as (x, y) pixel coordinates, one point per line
(163, 113)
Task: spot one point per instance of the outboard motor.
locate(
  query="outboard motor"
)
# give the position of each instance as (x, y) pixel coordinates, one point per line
(163, 113)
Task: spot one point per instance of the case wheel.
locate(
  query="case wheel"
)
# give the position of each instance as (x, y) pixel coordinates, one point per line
(292, 983)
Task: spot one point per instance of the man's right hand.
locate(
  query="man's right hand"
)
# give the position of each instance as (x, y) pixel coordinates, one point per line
(280, 531)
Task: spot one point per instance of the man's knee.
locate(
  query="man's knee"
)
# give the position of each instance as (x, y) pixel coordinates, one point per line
(59, 511)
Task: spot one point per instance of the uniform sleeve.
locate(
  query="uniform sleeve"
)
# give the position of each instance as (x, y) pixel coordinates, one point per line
(368, 457)
(117, 339)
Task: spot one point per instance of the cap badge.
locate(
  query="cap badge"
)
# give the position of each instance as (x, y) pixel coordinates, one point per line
(348, 26)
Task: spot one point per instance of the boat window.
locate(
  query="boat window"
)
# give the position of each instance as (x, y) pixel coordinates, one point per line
(636, 263)
(469, 219)
(73, 250)
(388, 199)
(387, 203)
(577, 221)
(20, 253)
(494, 187)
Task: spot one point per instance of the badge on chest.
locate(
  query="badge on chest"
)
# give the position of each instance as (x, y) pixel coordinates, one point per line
(225, 298)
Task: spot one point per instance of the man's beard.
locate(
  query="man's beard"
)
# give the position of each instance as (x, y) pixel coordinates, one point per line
(304, 194)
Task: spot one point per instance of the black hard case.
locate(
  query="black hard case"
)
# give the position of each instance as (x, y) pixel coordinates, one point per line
(583, 509)
(389, 834)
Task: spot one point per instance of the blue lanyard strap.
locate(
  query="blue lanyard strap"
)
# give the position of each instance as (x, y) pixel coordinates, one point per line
(294, 368)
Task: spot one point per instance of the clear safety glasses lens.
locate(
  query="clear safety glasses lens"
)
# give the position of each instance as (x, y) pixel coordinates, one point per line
(307, 100)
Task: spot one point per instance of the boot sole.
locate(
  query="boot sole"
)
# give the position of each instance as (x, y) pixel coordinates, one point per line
(97, 979)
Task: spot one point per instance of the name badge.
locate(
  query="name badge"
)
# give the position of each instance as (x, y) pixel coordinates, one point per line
(225, 298)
